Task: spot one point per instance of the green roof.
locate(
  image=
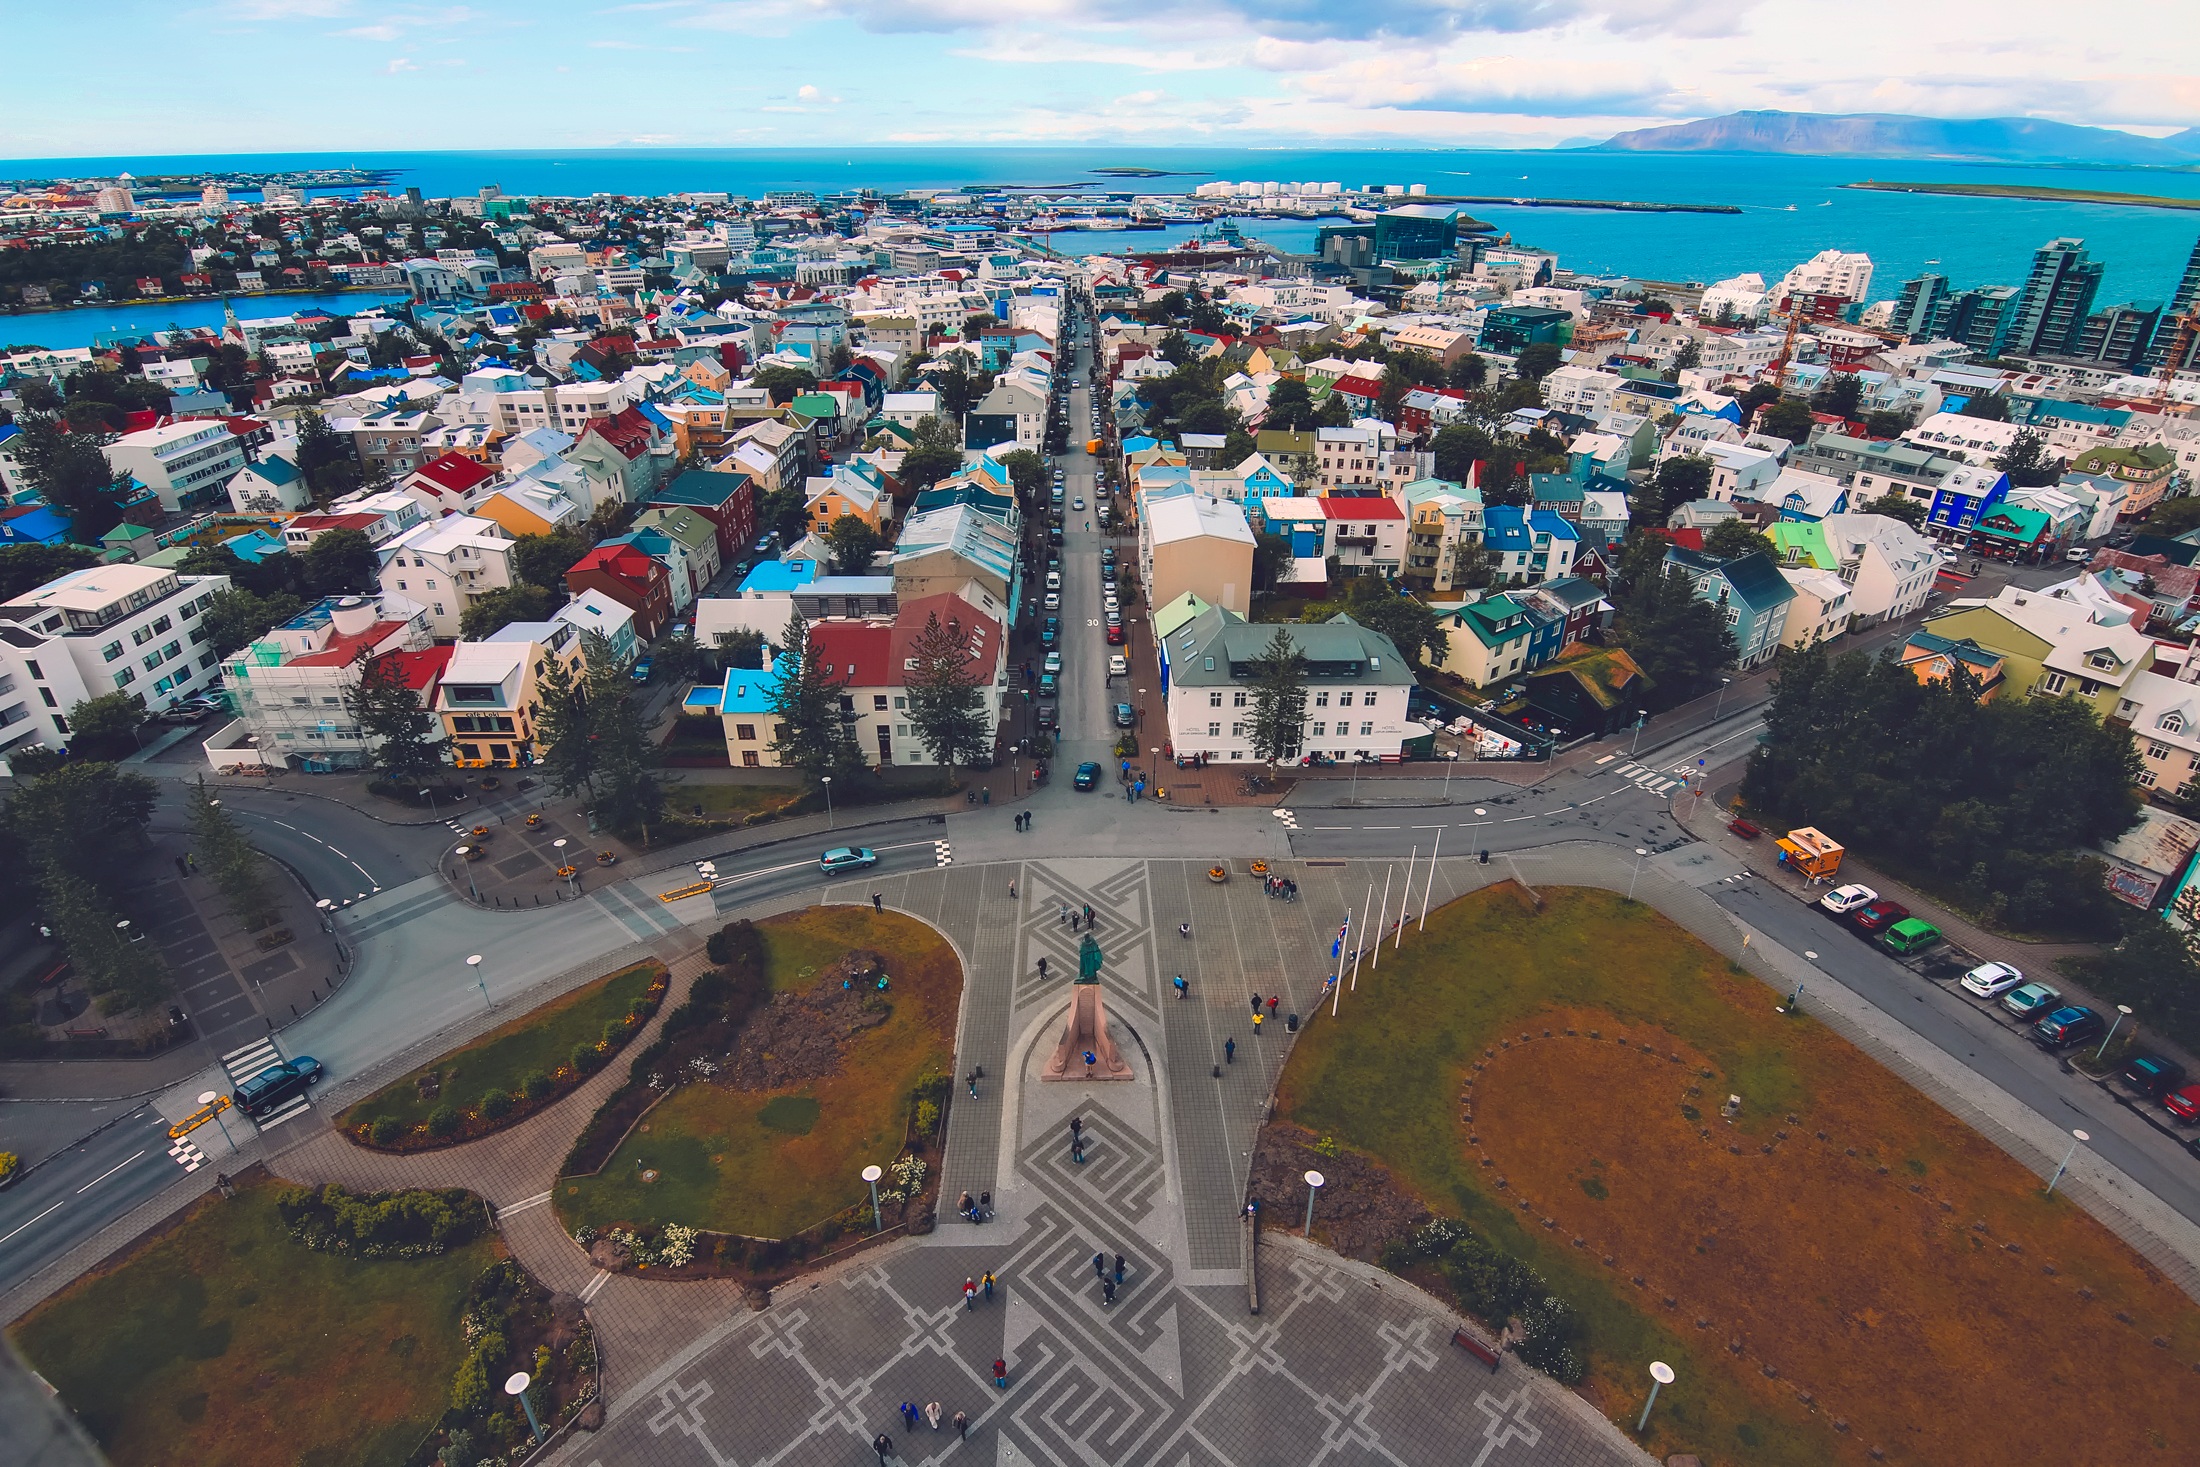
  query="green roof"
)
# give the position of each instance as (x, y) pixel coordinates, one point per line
(1166, 619)
(2024, 525)
(1799, 542)
(1485, 618)
(1606, 674)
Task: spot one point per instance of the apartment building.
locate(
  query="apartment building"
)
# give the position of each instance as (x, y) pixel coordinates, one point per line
(104, 629)
(187, 465)
(292, 688)
(444, 564)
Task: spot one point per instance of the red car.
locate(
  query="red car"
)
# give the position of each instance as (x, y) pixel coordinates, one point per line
(1115, 635)
(1878, 916)
(2184, 1104)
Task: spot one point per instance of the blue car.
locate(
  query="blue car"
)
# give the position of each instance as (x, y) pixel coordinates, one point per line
(1050, 631)
(847, 858)
(1088, 776)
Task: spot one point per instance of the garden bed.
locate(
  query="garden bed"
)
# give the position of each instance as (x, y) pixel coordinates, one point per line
(511, 1072)
(1559, 1112)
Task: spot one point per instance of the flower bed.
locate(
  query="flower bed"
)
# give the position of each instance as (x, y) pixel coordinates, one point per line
(523, 1067)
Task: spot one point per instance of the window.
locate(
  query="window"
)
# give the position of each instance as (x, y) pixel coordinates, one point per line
(1214, 730)
(152, 659)
(2053, 682)
(173, 649)
(47, 695)
(1237, 700)
(745, 732)
(111, 651)
(160, 624)
(2157, 751)
(749, 759)
(141, 636)
(1321, 730)
(125, 677)
(1321, 700)
(1214, 700)
(2167, 723)
(1344, 700)
(1366, 729)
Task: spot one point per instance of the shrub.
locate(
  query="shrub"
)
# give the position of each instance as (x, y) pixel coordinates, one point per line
(536, 1086)
(614, 1032)
(386, 1131)
(928, 1117)
(444, 1121)
(333, 1219)
(496, 1104)
(586, 1059)
(638, 1072)
(641, 1008)
(470, 1386)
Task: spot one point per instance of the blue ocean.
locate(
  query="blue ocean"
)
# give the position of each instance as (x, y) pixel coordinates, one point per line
(1791, 207)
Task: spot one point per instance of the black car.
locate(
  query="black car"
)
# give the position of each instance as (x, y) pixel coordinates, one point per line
(1046, 715)
(2152, 1076)
(2066, 1027)
(275, 1085)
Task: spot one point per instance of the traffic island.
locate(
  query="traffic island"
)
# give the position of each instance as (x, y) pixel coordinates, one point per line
(1617, 1152)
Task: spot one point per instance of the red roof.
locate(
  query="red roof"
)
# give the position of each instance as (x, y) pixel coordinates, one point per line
(625, 561)
(981, 633)
(1358, 386)
(1361, 507)
(856, 654)
(343, 649)
(627, 431)
(350, 520)
(421, 670)
(454, 474)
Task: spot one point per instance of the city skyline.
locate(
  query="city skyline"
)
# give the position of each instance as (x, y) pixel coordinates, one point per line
(775, 73)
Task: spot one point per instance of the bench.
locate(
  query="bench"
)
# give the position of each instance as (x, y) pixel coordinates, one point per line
(100, 1033)
(1476, 1348)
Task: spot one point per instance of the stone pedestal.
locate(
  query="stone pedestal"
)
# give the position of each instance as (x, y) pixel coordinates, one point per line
(1086, 1051)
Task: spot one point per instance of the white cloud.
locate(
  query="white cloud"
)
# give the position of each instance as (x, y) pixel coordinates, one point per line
(401, 64)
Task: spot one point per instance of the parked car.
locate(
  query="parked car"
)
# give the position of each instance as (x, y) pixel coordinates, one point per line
(1048, 685)
(641, 670)
(1046, 715)
(1107, 555)
(1088, 776)
(1991, 980)
(2067, 1026)
(274, 1086)
(1053, 662)
(1054, 580)
(2030, 1000)
(1054, 534)
(1119, 666)
(1124, 717)
(2152, 1076)
(2183, 1104)
(1910, 935)
(1053, 601)
(1845, 899)
(1878, 916)
(847, 858)
(1115, 634)
(1050, 631)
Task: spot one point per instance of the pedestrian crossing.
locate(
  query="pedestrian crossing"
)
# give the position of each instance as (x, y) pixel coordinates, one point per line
(943, 853)
(1656, 781)
(187, 1154)
(243, 1064)
(1290, 820)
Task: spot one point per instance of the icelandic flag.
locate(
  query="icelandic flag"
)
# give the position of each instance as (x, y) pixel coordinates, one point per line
(1337, 948)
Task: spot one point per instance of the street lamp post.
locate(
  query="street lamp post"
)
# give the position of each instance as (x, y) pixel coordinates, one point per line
(429, 795)
(208, 1098)
(572, 881)
(2123, 1012)
(123, 927)
(1720, 701)
(463, 852)
(871, 1174)
(517, 1386)
(1451, 760)
(1661, 1375)
(1156, 752)
(1314, 1182)
(2068, 1157)
(1352, 794)
(480, 981)
(827, 780)
(1640, 852)
(1640, 720)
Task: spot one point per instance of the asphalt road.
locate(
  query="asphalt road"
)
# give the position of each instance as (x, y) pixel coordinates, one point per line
(82, 1189)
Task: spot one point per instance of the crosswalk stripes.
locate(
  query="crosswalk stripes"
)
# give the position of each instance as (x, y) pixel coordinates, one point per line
(1647, 779)
(1290, 821)
(943, 853)
(243, 1064)
(187, 1154)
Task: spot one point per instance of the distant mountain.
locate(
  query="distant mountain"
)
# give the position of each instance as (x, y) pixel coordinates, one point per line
(1887, 135)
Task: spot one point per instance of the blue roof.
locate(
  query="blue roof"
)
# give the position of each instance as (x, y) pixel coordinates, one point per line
(1510, 527)
(747, 690)
(254, 546)
(780, 575)
(37, 524)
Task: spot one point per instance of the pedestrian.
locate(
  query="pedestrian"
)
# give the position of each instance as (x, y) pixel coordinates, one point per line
(1000, 1374)
(1184, 930)
(1042, 965)
(1181, 987)
(932, 1414)
(972, 1079)
(884, 1446)
(985, 1206)
(1256, 1003)
(962, 1423)
(1257, 1017)
(1229, 1051)
(1077, 1149)
(1076, 1125)
(909, 1414)
(970, 1293)
(987, 1284)
(1119, 1268)
(1061, 912)
(1088, 914)
(878, 901)
(1099, 1265)
(1012, 891)
(962, 1208)
(1107, 1291)
(1273, 1000)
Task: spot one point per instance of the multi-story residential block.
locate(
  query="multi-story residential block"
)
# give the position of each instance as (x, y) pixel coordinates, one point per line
(1486, 641)
(1358, 687)
(2146, 473)
(293, 687)
(271, 485)
(2054, 646)
(1820, 611)
(1749, 591)
(186, 464)
(1443, 533)
(444, 564)
(1889, 567)
(1189, 542)
(1528, 546)
(104, 629)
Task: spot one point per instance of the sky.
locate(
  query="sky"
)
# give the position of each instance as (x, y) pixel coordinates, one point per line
(191, 76)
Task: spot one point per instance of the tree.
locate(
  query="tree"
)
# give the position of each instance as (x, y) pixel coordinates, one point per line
(785, 384)
(543, 560)
(398, 730)
(946, 696)
(1028, 473)
(565, 751)
(936, 453)
(2027, 463)
(1675, 482)
(1537, 360)
(1411, 625)
(340, 562)
(1680, 642)
(1987, 406)
(1898, 506)
(2170, 517)
(27, 567)
(106, 727)
(1176, 349)
(238, 870)
(325, 457)
(1335, 412)
(120, 974)
(629, 792)
(1688, 358)
(743, 649)
(1735, 538)
(235, 619)
(1279, 698)
(1468, 373)
(1840, 393)
(854, 544)
(493, 610)
(677, 659)
(809, 734)
(1272, 560)
(72, 472)
(81, 815)
(1788, 418)
(959, 389)
(1290, 407)
(1889, 422)
(1458, 448)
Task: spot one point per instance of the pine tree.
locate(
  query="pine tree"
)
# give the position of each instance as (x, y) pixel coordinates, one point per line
(566, 748)
(1279, 698)
(238, 870)
(395, 726)
(809, 734)
(629, 794)
(946, 698)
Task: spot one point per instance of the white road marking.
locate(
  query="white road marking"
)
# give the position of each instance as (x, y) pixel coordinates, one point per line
(103, 1176)
(586, 1294)
(523, 1204)
(5, 1237)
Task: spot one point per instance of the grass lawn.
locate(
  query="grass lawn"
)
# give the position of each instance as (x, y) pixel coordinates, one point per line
(223, 1343)
(1897, 1270)
(769, 1163)
(729, 801)
(542, 1040)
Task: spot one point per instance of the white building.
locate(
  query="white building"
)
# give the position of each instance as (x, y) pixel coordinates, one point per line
(1889, 566)
(1830, 272)
(105, 629)
(1580, 390)
(1967, 440)
(444, 564)
(1737, 298)
(1820, 610)
(186, 464)
(1357, 687)
(292, 687)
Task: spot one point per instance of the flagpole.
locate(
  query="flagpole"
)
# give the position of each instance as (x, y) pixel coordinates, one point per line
(1405, 899)
(1363, 927)
(1431, 883)
(1376, 960)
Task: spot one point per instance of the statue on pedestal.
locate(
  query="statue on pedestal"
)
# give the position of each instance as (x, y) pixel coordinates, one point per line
(1086, 1051)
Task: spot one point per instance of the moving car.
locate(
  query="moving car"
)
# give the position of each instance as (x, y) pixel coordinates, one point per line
(275, 1085)
(1119, 666)
(641, 671)
(1088, 776)
(1845, 899)
(1124, 716)
(1909, 935)
(2152, 1076)
(1078, 504)
(2065, 1027)
(847, 858)
(2030, 1000)
(1991, 980)
(1878, 916)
